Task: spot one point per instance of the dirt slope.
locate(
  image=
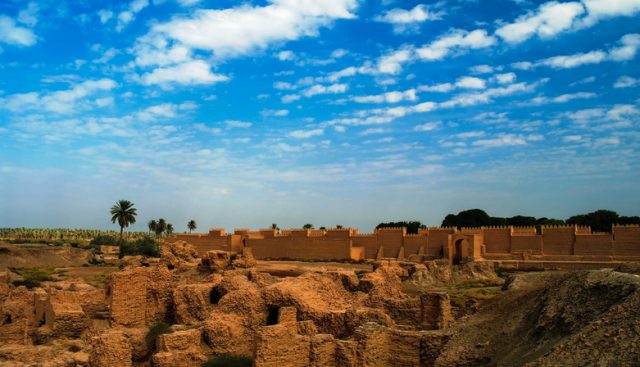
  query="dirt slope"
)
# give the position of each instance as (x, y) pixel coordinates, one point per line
(574, 319)
(18, 257)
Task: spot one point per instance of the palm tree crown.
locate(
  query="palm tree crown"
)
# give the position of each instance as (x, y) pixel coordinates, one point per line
(152, 225)
(124, 213)
(191, 225)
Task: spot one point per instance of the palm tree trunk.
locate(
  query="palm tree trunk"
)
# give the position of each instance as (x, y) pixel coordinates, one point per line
(121, 229)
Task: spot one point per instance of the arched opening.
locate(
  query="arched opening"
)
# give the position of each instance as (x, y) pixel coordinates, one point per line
(272, 315)
(215, 295)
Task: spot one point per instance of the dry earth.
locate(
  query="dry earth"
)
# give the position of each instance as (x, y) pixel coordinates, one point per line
(311, 314)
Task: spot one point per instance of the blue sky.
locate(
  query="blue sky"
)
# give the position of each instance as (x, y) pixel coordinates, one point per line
(316, 111)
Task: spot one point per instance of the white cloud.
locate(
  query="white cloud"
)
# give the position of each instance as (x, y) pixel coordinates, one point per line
(338, 53)
(471, 134)
(428, 126)
(188, 2)
(324, 89)
(286, 55)
(283, 86)
(12, 34)
(191, 72)
(419, 13)
(304, 134)
(626, 50)
(392, 62)
(62, 102)
(440, 88)
(502, 140)
(388, 97)
(276, 113)
(231, 124)
(626, 81)
(469, 82)
(455, 41)
(599, 9)
(482, 69)
(28, 16)
(289, 98)
(207, 129)
(127, 16)
(407, 20)
(245, 29)
(601, 142)
(105, 15)
(506, 78)
(549, 20)
(374, 130)
(564, 98)
(163, 111)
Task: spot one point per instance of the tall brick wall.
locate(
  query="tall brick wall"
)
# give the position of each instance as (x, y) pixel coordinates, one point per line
(626, 241)
(558, 240)
(413, 243)
(438, 240)
(308, 248)
(391, 240)
(524, 243)
(497, 240)
(369, 242)
(593, 244)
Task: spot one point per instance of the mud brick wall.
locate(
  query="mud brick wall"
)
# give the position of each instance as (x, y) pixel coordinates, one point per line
(369, 242)
(626, 241)
(413, 243)
(558, 240)
(523, 243)
(497, 240)
(128, 298)
(280, 345)
(438, 240)
(593, 244)
(391, 240)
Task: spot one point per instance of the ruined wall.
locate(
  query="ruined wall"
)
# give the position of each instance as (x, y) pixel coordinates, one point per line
(626, 240)
(497, 240)
(205, 242)
(593, 244)
(558, 240)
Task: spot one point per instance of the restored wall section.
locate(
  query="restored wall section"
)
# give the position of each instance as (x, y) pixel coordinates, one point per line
(497, 240)
(369, 242)
(524, 243)
(626, 240)
(558, 240)
(438, 240)
(413, 243)
(391, 240)
(594, 244)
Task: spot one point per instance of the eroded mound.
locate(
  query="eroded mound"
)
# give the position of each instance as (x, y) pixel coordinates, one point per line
(581, 318)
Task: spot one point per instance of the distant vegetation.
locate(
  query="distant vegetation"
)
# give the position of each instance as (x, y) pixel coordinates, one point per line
(412, 226)
(59, 236)
(599, 221)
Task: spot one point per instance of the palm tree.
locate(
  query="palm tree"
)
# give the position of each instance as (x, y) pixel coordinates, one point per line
(274, 226)
(152, 225)
(191, 225)
(124, 213)
(169, 229)
(161, 226)
(308, 226)
(339, 226)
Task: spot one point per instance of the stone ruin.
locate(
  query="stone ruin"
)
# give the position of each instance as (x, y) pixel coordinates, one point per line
(220, 304)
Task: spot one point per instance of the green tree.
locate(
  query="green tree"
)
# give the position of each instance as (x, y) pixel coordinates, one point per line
(339, 226)
(468, 218)
(161, 226)
(152, 225)
(599, 221)
(411, 226)
(274, 226)
(169, 229)
(191, 225)
(124, 213)
(307, 226)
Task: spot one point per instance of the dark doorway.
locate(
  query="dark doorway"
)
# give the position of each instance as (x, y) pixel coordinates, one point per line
(457, 252)
(272, 315)
(215, 295)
